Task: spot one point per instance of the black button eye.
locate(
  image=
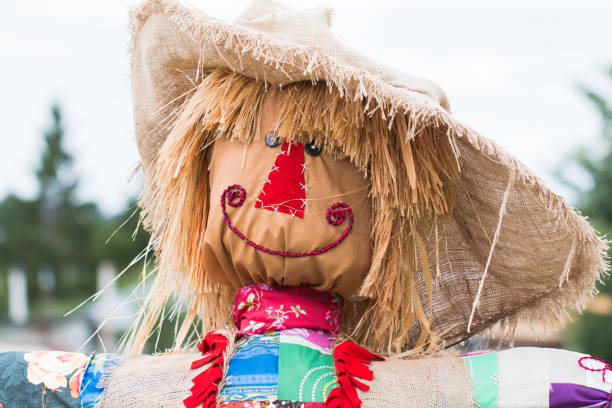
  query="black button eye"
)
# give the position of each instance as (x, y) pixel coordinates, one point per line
(312, 149)
(272, 140)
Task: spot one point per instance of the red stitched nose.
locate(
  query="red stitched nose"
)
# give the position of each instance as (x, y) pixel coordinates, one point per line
(285, 188)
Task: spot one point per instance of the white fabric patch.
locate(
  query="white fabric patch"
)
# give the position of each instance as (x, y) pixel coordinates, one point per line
(526, 373)
(523, 378)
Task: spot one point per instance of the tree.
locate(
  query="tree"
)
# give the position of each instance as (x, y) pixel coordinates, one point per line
(595, 201)
(592, 333)
(56, 237)
(55, 165)
(52, 233)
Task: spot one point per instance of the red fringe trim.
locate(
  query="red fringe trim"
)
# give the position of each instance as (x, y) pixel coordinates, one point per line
(351, 363)
(206, 384)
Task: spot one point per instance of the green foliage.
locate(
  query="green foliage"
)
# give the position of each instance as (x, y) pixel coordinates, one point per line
(595, 202)
(592, 333)
(56, 233)
(54, 162)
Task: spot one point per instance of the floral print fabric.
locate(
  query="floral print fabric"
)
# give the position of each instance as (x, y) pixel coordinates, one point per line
(50, 369)
(53, 379)
(47, 379)
(259, 308)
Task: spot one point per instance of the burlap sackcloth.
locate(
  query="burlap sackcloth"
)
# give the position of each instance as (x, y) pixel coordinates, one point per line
(440, 380)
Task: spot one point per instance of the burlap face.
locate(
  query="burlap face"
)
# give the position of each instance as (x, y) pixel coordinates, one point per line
(230, 261)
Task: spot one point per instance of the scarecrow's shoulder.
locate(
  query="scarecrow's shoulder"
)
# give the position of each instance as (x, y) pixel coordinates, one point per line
(519, 377)
(427, 381)
(150, 380)
(71, 380)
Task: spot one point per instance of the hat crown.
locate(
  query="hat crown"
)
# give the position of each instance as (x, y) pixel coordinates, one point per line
(308, 27)
(311, 28)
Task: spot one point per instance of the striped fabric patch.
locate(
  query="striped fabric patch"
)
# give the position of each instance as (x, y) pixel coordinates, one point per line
(253, 369)
(100, 366)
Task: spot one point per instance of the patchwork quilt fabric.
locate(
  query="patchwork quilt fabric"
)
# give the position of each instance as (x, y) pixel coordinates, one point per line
(539, 377)
(280, 369)
(271, 404)
(293, 368)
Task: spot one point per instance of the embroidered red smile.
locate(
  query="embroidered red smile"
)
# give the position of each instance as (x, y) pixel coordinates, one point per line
(235, 195)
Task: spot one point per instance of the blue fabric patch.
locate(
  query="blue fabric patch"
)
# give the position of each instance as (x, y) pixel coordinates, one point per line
(99, 366)
(253, 369)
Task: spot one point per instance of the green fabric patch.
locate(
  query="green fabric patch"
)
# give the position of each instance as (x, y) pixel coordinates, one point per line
(485, 376)
(304, 374)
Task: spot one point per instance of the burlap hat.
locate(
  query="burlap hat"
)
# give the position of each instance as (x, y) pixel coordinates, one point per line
(464, 236)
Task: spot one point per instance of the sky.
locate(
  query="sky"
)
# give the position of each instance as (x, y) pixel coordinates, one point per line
(511, 70)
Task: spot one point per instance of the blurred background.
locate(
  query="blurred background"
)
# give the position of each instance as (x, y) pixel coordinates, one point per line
(536, 77)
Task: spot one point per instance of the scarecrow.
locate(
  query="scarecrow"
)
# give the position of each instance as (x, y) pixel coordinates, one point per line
(327, 229)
